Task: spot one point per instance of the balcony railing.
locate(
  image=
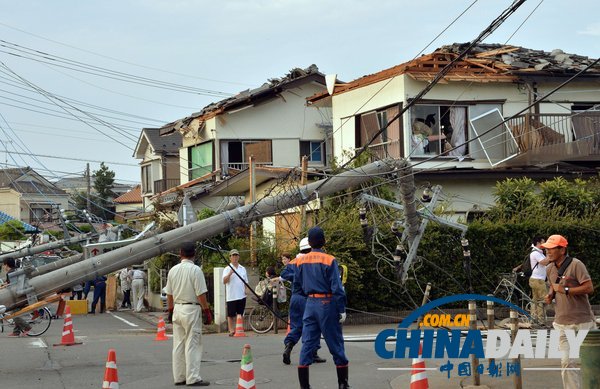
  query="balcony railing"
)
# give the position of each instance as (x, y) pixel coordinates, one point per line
(239, 166)
(165, 184)
(532, 131)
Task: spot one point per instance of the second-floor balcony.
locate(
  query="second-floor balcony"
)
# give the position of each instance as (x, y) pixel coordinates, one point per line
(229, 167)
(557, 137)
(165, 184)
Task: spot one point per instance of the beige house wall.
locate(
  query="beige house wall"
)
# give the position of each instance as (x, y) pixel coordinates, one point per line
(10, 202)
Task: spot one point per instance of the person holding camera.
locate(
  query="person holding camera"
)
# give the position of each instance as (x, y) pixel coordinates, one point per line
(186, 294)
(571, 285)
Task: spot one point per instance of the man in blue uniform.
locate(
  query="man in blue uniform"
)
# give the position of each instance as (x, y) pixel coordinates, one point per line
(318, 277)
(297, 304)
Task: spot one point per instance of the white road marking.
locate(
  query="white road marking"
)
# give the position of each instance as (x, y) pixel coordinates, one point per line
(38, 342)
(123, 320)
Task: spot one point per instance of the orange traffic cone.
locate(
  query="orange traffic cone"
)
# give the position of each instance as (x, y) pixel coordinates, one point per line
(111, 378)
(246, 380)
(68, 337)
(161, 332)
(418, 378)
(239, 327)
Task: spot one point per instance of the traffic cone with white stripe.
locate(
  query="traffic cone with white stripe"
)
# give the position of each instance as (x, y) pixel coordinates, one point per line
(418, 378)
(68, 336)
(247, 370)
(161, 331)
(239, 327)
(111, 378)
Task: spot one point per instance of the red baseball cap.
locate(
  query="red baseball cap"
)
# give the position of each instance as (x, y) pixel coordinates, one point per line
(555, 241)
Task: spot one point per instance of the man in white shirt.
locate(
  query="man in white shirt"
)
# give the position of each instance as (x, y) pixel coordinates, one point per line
(235, 289)
(537, 281)
(186, 294)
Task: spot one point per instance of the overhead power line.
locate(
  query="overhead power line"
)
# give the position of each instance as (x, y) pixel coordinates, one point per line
(69, 159)
(54, 60)
(123, 61)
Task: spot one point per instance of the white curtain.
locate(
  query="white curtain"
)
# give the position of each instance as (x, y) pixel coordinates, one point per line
(224, 157)
(458, 116)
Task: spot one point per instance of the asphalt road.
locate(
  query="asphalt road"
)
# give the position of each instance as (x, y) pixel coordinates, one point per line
(144, 363)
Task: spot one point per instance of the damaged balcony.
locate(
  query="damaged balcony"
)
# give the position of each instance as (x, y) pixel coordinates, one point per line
(547, 138)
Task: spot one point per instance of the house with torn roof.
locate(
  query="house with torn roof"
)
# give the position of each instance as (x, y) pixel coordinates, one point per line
(159, 166)
(271, 123)
(456, 134)
(27, 196)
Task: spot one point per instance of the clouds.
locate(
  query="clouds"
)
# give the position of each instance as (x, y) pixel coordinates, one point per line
(591, 29)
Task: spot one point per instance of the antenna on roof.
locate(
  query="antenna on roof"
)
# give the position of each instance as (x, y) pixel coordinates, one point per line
(330, 82)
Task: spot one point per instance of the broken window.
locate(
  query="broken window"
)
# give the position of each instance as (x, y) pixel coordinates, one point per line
(235, 154)
(388, 142)
(200, 160)
(494, 137)
(439, 130)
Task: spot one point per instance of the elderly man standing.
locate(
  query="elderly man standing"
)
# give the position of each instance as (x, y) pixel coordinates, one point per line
(186, 293)
(571, 284)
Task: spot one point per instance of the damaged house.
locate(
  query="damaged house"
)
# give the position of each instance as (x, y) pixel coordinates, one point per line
(455, 136)
(271, 123)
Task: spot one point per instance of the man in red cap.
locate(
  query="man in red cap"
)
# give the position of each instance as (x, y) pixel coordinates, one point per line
(571, 285)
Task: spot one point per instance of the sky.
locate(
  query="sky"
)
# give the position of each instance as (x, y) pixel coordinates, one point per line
(208, 50)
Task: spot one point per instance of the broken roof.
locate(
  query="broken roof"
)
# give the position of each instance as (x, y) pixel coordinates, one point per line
(484, 63)
(247, 97)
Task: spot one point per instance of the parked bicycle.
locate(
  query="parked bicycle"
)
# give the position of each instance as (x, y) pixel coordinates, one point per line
(510, 290)
(261, 317)
(39, 320)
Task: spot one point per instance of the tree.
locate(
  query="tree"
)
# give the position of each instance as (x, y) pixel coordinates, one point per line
(12, 230)
(103, 184)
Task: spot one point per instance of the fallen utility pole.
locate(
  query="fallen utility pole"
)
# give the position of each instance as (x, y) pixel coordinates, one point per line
(46, 284)
(47, 246)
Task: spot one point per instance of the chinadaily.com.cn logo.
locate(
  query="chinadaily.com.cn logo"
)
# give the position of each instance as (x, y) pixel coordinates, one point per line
(442, 340)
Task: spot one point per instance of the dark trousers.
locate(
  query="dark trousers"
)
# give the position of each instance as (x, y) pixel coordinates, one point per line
(126, 299)
(99, 294)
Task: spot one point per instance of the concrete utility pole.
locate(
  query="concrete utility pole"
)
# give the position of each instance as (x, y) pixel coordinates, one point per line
(45, 247)
(252, 169)
(88, 177)
(407, 191)
(303, 206)
(47, 284)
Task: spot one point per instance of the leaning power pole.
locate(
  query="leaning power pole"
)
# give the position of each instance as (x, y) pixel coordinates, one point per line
(21, 286)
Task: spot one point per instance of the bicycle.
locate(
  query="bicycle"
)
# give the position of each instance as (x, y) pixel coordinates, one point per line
(39, 320)
(509, 290)
(261, 318)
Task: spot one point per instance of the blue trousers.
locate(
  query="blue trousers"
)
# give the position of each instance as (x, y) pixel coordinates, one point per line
(99, 294)
(297, 305)
(321, 317)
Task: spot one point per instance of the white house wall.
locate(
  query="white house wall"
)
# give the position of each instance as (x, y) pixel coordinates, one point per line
(368, 98)
(286, 152)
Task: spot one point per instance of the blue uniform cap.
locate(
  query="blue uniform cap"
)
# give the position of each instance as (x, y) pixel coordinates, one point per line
(316, 237)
